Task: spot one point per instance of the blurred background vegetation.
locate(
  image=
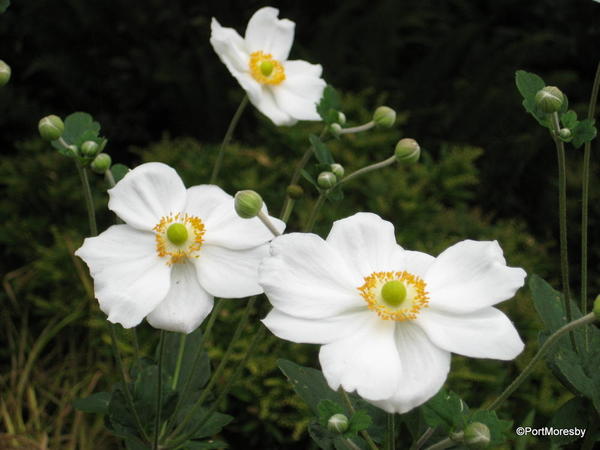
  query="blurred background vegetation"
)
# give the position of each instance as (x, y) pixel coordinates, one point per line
(145, 70)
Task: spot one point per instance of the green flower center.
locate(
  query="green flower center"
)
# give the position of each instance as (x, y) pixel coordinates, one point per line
(266, 67)
(393, 293)
(177, 233)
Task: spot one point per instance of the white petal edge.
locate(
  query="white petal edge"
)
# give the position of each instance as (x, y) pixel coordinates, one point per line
(486, 333)
(147, 193)
(472, 275)
(298, 96)
(366, 361)
(263, 100)
(305, 277)
(315, 331)
(424, 369)
(130, 280)
(267, 33)
(186, 304)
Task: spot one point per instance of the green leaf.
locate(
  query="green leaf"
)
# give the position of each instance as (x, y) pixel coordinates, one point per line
(197, 445)
(359, 421)
(322, 152)
(212, 426)
(445, 410)
(329, 102)
(528, 85)
(133, 443)
(328, 408)
(119, 171)
(4, 4)
(79, 127)
(308, 177)
(584, 131)
(548, 303)
(500, 430)
(120, 420)
(95, 403)
(573, 414)
(569, 119)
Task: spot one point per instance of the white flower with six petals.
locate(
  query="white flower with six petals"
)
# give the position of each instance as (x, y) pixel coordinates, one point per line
(388, 318)
(284, 91)
(177, 250)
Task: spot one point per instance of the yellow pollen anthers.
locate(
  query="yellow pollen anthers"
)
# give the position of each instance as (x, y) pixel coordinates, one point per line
(177, 250)
(408, 309)
(265, 69)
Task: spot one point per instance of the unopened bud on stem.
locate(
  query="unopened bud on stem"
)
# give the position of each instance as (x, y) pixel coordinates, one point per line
(247, 204)
(338, 171)
(5, 73)
(477, 435)
(338, 423)
(407, 150)
(549, 99)
(51, 127)
(101, 163)
(384, 117)
(326, 180)
(89, 149)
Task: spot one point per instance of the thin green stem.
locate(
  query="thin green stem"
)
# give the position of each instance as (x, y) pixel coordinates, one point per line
(423, 439)
(136, 348)
(380, 165)
(315, 212)
(364, 127)
(351, 445)
(161, 354)
(180, 353)
(364, 433)
(585, 201)
(562, 208)
(87, 195)
(391, 431)
(228, 134)
(217, 374)
(587, 319)
(444, 443)
(288, 207)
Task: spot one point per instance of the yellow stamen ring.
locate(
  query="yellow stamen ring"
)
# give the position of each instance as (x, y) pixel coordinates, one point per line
(395, 295)
(178, 237)
(265, 69)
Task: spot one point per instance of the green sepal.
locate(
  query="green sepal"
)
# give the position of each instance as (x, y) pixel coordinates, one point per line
(329, 105)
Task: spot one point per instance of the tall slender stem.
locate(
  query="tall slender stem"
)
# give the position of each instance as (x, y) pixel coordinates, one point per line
(364, 127)
(315, 212)
(364, 433)
(161, 347)
(379, 165)
(391, 432)
(87, 195)
(267, 223)
(228, 134)
(585, 201)
(587, 319)
(444, 443)
(180, 353)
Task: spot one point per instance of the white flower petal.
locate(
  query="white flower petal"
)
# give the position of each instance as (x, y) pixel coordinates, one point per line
(486, 333)
(366, 361)
(185, 306)
(223, 226)
(232, 51)
(266, 33)
(130, 280)
(365, 241)
(265, 102)
(147, 193)
(416, 263)
(424, 368)
(230, 273)
(298, 95)
(471, 275)
(311, 331)
(305, 277)
(299, 68)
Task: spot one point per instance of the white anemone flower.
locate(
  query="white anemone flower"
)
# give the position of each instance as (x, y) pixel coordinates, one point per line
(176, 251)
(388, 318)
(284, 91)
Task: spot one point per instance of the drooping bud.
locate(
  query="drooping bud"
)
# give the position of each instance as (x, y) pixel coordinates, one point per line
(5, 73)
(326, 180)
(335, 129)
(89, 149)
(51, 127)
(477, 435)
(407, 150)
(338, 171)
(295, 191)
(248, 204)
(597, 307)
(549, 99)
(565, 134)
(101, 163)
(338, 423)
(384, 117)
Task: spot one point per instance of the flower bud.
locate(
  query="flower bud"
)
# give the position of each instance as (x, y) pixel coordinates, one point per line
(477, 435)
(4, 73)
(51, 127)
(295, 191)
(338, 423)
(338, 171)
(407, 150)
(72, 150)
(89, 149)
(335, 129)
(341, 119)
(326, 180)
(564, 134)
(101, 163)
(597, 307)
(550, 99)
(248, 204)
(384, 117)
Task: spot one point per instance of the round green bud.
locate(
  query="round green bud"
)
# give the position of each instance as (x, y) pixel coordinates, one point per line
(338, 423)
(101, 163)
(177, 233)
(295, 191)
(247, 204)
(335, 129)
(549, 99)
(393, 293)
(564, 133)
(266, 67)
(51, 127)
(338, 171)
(89, 149)
(326, 180)
(597, 307)
(407, 150)
(341, 119)
(477, 435)
(5, 73)
(384, 117)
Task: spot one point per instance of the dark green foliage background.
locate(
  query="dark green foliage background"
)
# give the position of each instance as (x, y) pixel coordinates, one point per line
(145, 70)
